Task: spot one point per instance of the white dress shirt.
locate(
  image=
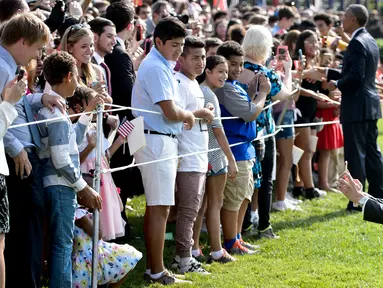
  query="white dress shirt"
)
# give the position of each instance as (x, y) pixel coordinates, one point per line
(100, 60)
(121, 42)
(356, 31)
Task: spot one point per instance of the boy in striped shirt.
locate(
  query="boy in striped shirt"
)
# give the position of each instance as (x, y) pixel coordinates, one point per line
(62, 178)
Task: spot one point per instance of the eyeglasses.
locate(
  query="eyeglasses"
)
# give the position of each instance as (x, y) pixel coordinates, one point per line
(77, 27)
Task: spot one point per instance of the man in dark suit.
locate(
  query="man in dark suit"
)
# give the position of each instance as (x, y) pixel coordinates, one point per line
(123, 78)
(352, 189)
(360, 108)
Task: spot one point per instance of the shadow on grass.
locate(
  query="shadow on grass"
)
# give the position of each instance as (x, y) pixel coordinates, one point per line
(306, 222)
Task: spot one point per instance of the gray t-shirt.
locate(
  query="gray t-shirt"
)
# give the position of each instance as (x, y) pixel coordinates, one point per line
(217, 159)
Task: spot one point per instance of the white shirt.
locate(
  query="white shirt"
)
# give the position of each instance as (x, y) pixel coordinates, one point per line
(100, 60)
(121, 42)
(196, 139)
(356, 31)
(156, 83)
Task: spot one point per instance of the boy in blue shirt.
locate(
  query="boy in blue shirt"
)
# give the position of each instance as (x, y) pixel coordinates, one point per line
(234, 101)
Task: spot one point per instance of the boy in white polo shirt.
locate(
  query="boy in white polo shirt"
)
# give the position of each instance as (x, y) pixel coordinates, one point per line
(192, 170)
(156, 89)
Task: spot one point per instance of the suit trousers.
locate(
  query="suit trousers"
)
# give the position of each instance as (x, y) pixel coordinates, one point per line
(26, 208)
(363, 155)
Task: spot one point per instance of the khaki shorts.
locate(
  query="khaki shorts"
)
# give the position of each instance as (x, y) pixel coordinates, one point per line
(159, 178)
(241, 188)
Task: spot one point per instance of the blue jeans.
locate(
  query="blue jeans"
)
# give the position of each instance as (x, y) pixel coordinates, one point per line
(61, 204)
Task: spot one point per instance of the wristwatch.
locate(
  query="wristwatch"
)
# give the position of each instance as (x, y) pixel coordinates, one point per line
(363, 201)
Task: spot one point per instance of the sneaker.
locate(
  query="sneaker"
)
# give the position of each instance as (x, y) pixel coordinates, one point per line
(267, 234)
(249, 246)
(226, 258)
(289, 197)
(200, 258)
(167, 278)
(285, 205)
(321, 192)
(312, 193)
(175, 263)
(193, 266)
(298, 191)
(238, 249)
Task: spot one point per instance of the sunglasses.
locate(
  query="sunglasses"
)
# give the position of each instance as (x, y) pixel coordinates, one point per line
(77, 27)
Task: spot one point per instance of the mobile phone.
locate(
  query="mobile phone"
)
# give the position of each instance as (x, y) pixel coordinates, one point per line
(139, 33)
(337, 23)
(300, 55)
(282, 53)
(20, 74)
(147, 46)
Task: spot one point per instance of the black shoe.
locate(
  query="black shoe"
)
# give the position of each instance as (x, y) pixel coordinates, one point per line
(311, 193)
(351, 208)
(297, 192)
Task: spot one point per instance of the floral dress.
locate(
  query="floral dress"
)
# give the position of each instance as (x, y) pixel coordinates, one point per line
(114, 260)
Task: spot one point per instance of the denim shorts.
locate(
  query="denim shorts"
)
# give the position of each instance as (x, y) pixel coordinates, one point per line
(288, 119)
(224, 170)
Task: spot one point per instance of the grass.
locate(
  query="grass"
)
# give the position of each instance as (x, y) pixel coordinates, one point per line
(321, 246)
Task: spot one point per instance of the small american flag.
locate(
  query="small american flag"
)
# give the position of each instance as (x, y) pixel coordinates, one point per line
(125, 128)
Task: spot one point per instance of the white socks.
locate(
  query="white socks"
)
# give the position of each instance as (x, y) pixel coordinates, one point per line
(196, 253)
(156, 276)
(217, 254)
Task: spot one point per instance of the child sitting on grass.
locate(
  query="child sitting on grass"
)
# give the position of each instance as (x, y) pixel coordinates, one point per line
(114, 260)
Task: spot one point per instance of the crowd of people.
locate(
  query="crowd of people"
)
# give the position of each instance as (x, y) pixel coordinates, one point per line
(252, 94)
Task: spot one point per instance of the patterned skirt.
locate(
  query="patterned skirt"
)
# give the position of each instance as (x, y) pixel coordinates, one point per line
(4, 207)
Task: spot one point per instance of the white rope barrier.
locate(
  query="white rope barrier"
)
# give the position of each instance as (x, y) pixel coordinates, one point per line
(64, 117)
(308, 124)
(185, 155)
(159, 113)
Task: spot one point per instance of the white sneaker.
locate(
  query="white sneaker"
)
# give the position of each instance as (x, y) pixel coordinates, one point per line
(193, 266)
(321, 192)
(285, 205)
(289, 197)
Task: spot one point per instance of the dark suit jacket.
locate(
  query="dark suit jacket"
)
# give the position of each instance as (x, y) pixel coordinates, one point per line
(122, 77)
(360, 99)
(373, 210)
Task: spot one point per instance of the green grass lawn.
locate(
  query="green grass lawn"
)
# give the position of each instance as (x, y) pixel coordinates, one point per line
(321, 246)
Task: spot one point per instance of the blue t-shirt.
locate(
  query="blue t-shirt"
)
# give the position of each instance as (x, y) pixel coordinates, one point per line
(234, 101)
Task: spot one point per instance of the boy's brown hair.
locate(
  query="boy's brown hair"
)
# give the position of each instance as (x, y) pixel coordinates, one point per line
(24, 26)
(57, 66)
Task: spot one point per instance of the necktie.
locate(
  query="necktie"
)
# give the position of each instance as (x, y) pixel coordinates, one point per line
(107, 71)
(33, 128)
